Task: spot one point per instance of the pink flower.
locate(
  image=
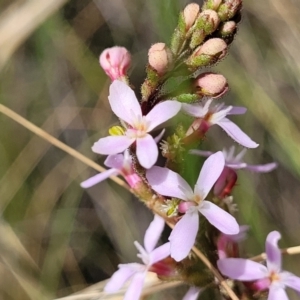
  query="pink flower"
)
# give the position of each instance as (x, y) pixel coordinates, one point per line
(228, 177)
(169, 183)
(192, 293)
(119, 164)
(236, 161)
(126, 106)
(217, 115)
(135, 271)
(115, 61)
(268, 277)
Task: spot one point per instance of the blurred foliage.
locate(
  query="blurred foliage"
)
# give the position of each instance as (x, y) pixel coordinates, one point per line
(57, 239)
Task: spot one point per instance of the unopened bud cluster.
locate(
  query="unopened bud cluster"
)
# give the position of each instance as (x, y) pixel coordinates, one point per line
(200, 40)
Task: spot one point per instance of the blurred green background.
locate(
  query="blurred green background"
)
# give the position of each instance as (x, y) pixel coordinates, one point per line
(55, 238)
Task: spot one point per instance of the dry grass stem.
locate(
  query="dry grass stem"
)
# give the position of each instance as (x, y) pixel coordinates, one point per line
(46, 136)
(152, 285)
(289, 251)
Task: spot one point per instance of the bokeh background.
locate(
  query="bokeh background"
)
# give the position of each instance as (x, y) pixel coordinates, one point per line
(56, 238)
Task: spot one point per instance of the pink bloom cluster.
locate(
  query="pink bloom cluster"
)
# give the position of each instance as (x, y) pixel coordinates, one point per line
(269, 277)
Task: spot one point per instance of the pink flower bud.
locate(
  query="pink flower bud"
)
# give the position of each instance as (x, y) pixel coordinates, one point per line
(115, 62)
(185, 205)
(165, 269)
(213, 47)
(160, 57)
(190, 14)
(212, 4)
(211, 20)
(228, 28)
(210, 84)
(207, 54)
(229, 8)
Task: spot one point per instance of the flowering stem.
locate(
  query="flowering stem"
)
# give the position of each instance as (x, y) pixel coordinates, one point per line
(46, 136)
(289, 251)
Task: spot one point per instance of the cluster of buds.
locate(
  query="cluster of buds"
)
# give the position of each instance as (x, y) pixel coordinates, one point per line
(174, 85)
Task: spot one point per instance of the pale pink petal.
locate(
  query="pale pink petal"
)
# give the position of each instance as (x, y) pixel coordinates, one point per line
(112, 144)
(192, 293)
(273, 252)
(153, 233)
(277, 293)
(241, 235)
(120, 277)
(210, 172)
(262, 168)
(160, 253)
(242, 269)
(98, 178)
(236, 133)
(143, 254)
(123, 101)
(201, 153)
(219, 115)
(291, 280)
(162, 112)
(136, 286)
(219, 218)
(146, 151)
(237, 110)
(195, 110)
(167, 182)
(158, 137)
(115, 161)
(183, 235)
(236, 166)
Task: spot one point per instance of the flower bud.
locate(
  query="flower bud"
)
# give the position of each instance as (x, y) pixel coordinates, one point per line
(212, 85)
(208, 20)
(212, 4)
(184, 206)
(210, 52)
(190, 14)
(228, 9)
(115, 62)
(160, 57)
(213, 47)
(228, 28)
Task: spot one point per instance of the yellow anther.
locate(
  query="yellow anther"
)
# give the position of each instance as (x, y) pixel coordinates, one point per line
(116, 130)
